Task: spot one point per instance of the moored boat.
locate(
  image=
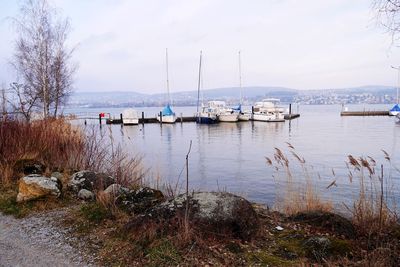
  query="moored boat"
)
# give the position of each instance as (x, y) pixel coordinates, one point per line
(395, 110)
(130, 117)
(268, 110)
(204, 114)
(224, 113)
(167, 114)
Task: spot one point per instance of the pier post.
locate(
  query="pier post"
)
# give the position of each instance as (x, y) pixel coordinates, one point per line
(181, 117)
(100, 119)
(143, 117)
(252, 109)
(290, 110)
(122, 121)
(161, 117)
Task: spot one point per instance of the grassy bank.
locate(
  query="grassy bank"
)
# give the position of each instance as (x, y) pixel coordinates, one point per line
(301, 229)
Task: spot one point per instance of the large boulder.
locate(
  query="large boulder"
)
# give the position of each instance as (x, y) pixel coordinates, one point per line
(135, 201)
(210, 212)
(35, 186)
(90, 181)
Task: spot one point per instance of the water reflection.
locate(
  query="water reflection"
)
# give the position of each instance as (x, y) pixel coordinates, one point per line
(232, 155)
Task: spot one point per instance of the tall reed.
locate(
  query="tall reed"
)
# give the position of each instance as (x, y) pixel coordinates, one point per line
(62, 146)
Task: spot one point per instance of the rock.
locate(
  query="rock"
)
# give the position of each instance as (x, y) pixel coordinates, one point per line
(116, 190)
(317, 248)
(90, 181)
(137, 201)
(29, 166)
(86, 195)
(35, 186)
(57, 175)
(326, 220)
(215, 212)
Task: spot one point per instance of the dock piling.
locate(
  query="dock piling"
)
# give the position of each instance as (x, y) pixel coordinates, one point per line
(160, 117)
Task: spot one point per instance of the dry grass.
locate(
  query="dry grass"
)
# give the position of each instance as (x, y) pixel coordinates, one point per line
(54, 143)
(374, 208)
(63, 147)
(300, 193)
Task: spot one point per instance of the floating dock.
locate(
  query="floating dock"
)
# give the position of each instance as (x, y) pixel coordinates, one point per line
(365, 113)
(181, 119)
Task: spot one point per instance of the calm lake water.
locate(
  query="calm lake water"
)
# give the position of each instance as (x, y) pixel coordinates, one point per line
(231, 156)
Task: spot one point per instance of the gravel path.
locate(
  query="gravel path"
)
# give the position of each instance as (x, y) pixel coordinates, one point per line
(39, 240)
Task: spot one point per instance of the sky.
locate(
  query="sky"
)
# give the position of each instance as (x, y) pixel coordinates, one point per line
(308, 44)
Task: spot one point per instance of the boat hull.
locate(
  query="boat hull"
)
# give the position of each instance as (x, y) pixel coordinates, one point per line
(130, 117)
(244, 117)
(268, 118)
(167, 119)
(228, 117)
(130, 121)
(206, 120)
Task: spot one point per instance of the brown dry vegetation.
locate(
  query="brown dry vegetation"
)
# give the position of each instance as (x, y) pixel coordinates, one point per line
(373, 212)
(63, 147)
(59, 146)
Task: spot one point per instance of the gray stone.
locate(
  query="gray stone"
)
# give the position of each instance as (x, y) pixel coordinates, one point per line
(116, 190)
(36, 186)
(139, 200)
(211, 211)
(86, 194)
(90, 181)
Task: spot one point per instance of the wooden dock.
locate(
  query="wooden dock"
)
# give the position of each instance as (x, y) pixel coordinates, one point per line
(181, 119)
(151, 120)
(365, 113)
(291, 116)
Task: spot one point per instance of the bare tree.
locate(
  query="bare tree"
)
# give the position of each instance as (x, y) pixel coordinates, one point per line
(388, 15)
(24, 99)
(3, 102)
(42, 59)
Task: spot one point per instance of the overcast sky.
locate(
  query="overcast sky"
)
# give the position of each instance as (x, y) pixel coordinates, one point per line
(309, 44)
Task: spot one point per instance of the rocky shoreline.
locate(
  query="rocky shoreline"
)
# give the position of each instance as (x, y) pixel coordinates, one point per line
(102, 222)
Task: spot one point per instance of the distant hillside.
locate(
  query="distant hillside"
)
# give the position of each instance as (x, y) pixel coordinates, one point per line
(231, 94)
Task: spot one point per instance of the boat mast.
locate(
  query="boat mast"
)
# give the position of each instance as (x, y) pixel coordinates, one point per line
(166, 60)
(398, 81)
(198, 85)
(240, 79)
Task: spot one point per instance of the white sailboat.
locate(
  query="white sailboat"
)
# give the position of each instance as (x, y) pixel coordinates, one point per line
(204, 114)
(243, 116)
(167, 114)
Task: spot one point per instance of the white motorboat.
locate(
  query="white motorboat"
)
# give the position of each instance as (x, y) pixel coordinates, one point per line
(167, 114)
(244, 116)
(268, 110)
(130, 117)
(224, 113)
